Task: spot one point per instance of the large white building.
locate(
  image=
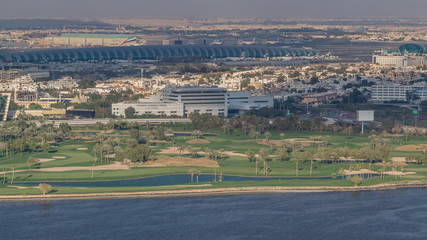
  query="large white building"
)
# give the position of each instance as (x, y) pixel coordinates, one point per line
(399, 61)
(396, 92)
(182, 101)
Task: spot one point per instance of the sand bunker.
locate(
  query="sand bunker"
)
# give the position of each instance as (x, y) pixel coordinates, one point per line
(59, 157)
(43, 160)
(361, 171)
(166, 161)
(114, 166)
(413, 148)
(198, 141)
(20, 187)
(175, 150)
(398, 173)
(81, 149)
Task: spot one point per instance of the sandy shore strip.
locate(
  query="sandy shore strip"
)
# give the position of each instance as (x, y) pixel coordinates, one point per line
(215, 191)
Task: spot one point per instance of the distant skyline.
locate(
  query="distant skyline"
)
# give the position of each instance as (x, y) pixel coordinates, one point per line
(211, 8)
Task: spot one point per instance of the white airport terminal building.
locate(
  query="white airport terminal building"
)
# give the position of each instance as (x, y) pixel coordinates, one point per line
(181, 101)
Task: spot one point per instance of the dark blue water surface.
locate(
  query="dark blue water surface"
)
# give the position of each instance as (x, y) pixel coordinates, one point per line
(165, 180)
(394, 214)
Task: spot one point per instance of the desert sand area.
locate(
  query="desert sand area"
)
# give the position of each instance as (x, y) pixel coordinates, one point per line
(166, 161)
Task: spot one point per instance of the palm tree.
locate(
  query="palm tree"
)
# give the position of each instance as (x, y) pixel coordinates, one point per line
(194, 172)
(197, 133)
(4, 175)
(221, 152)
(197, 173)
(264, 155)
(181, 149)
(297, 157)
(282, 154)
(254, 134)
(309, 155)
(267, 135)
(13, 173)
(226, 127)
(341, 172)
(349, 131)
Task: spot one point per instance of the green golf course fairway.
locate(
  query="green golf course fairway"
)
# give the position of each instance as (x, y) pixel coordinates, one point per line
(237, 143)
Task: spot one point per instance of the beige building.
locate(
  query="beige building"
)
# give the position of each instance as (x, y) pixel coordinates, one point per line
(325, 97)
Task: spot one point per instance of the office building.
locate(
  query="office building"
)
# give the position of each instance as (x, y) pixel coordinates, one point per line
(182, 101)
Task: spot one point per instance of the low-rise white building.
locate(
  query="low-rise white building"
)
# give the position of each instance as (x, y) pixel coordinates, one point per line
(241, 101)
(63, 83)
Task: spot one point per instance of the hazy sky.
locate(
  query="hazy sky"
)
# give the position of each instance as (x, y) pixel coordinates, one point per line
(211, 8)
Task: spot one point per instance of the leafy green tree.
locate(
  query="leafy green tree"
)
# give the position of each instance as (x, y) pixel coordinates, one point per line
(356, 180)
(282, 154)
(197, 134)
(250, 156)
(86, 83)
(130, 112)
(35, 106)
(141, 153)
(46, 147)
(45, 188)
(31, 161)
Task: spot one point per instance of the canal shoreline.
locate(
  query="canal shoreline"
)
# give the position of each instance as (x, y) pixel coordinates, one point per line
(213, 192)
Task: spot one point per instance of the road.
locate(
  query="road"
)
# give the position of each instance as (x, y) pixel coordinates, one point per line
(84, 122)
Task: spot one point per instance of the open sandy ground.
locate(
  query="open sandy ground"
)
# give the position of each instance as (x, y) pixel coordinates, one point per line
(166, 161)
(59, 157)
(81, 149)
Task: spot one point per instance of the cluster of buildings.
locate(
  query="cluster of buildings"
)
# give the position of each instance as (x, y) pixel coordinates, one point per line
(408, 54)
